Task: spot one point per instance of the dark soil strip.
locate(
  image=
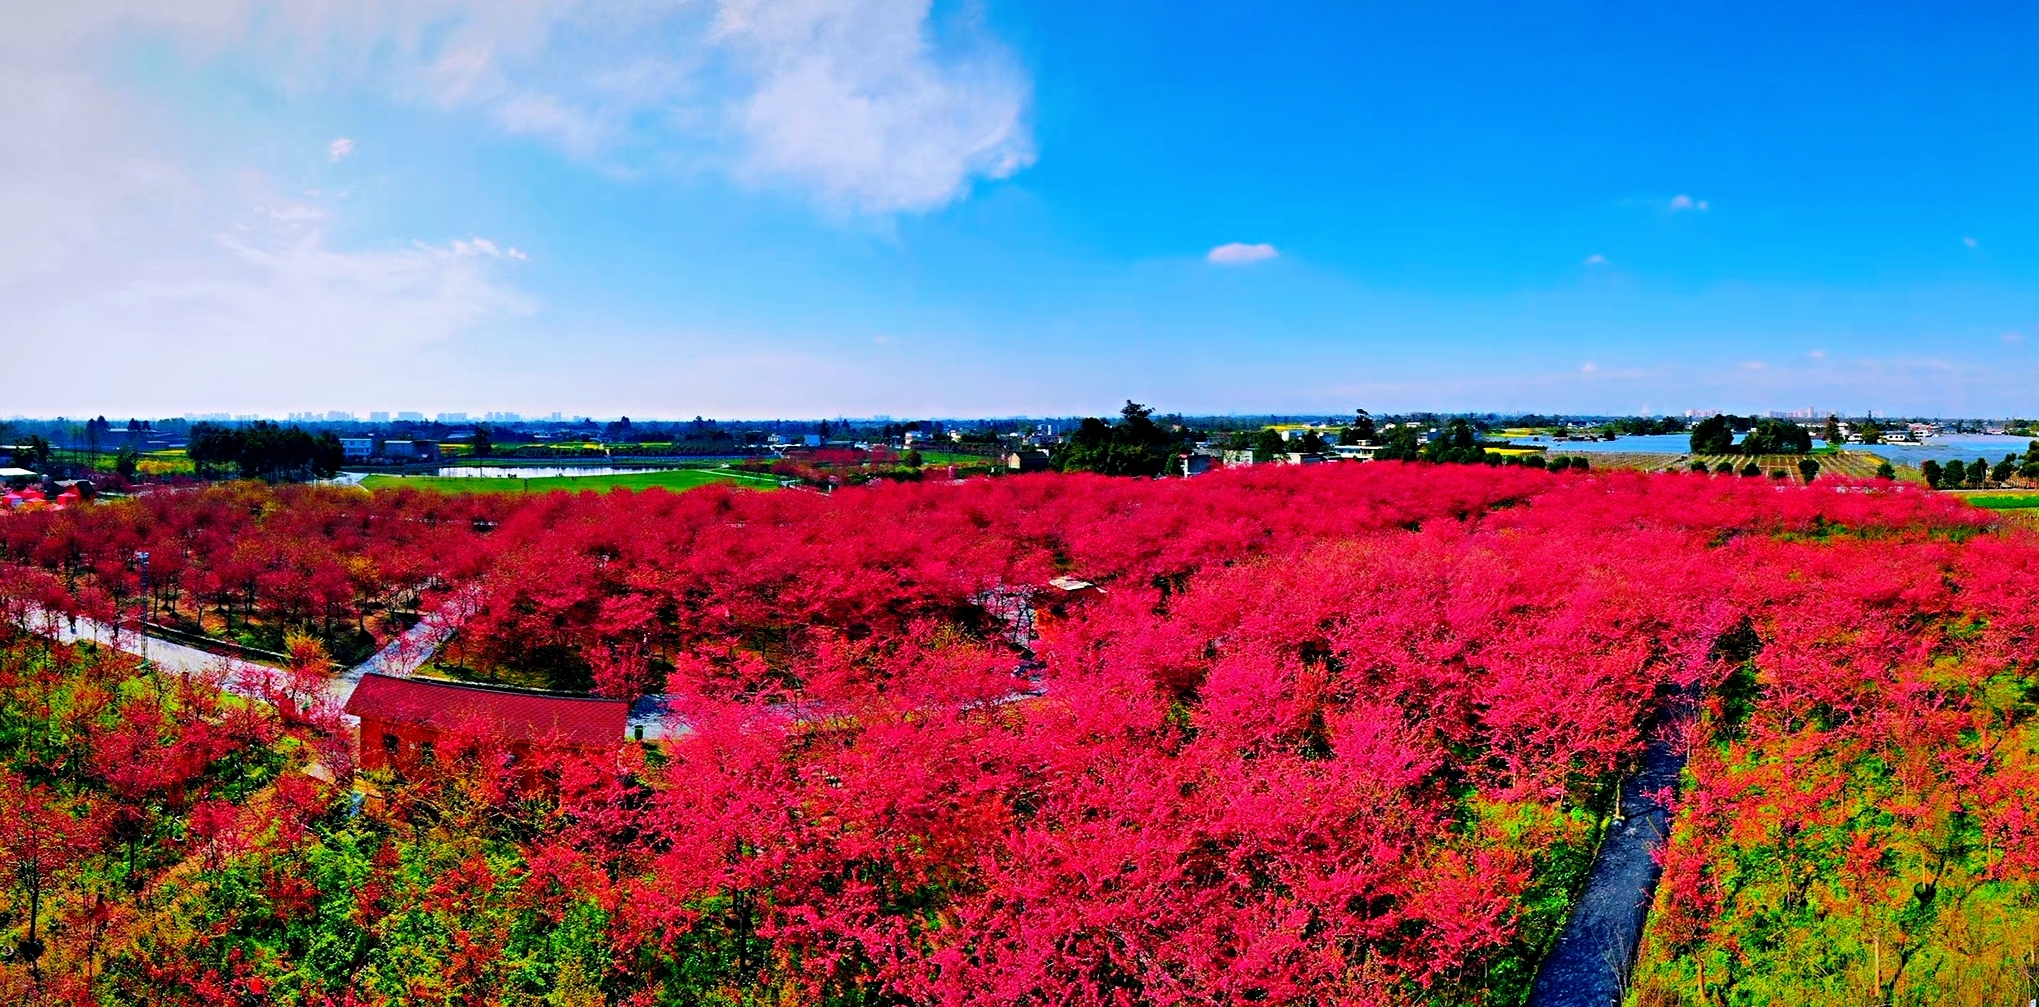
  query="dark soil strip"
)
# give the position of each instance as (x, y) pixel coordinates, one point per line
(1590, 964)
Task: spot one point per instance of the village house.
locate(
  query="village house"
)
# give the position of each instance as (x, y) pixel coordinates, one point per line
(404, 720)
(425, 451)
(1027, 461)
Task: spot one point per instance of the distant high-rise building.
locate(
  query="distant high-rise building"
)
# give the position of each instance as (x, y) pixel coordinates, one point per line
(411, 417)
(452, 417)
(504, 418)
(339, 416)
(247, 417)
(379, 417)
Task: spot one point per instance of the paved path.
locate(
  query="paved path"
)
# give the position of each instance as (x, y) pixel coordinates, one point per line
(1591, 962)
(400, 656)
(243, 677)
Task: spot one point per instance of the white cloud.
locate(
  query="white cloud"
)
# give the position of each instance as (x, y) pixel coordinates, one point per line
(869, 106)
(1682, 202)
(1596, 259)
(852, 100)
(1754, 365)
(191, 281)
(1970, 242)
(1239, 253)
(180, 286)
(1587, 367)
(2014, 337)
(1817, 354)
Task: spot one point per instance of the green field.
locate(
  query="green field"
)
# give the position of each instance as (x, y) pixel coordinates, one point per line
(2004, 501)
(679, 479)
(930, 456)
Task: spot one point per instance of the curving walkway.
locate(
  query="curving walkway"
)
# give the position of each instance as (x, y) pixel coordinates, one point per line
(401, 656)
(1590, 964)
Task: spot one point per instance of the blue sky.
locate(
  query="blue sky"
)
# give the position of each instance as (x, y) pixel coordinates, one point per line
(762, 208)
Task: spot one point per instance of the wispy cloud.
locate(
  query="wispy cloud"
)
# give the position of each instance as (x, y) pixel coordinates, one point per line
(851, 99)
(192, 285)
(1596, 259)
(1238, 253)
(1682, 202)
(2013, 338)
(868, 106)
(1970, 242)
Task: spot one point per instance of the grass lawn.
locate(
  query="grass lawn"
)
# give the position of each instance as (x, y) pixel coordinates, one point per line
(679, 479)
(935, 457)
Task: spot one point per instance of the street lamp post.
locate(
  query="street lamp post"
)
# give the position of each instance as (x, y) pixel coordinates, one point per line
(142, 558)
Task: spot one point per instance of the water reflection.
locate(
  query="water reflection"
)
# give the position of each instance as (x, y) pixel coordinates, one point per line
(536, 471)
(1941, 449)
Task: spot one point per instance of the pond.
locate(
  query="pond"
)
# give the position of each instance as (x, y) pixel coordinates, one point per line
(1941, 449)
(537, 471)
(1649, 444)
(1967, 447)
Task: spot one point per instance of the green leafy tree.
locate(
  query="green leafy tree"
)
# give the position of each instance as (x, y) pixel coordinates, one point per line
(1134, 446)
(1268, 445)
(1831, 433)
(1884, 471)
(1751, 469)
(1777, 437)
(1713, 435)
(1725, 468)
(1933, 473)
(1458, 443)
(1401, 444)
(1809, 468)
(126, 462)
(264, 450)
(33, 453)
(1361, 431)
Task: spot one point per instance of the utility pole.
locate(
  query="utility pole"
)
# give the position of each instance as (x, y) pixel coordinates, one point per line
(142, 557)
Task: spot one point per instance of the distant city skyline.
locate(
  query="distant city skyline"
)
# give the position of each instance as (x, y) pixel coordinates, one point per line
(1014, 207)
(1808, 415)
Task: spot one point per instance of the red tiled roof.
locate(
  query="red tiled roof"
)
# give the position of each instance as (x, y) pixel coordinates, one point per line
(509, 714)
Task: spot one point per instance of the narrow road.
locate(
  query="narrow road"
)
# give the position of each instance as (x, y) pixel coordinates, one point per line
(401, 656)
(1591, 962)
